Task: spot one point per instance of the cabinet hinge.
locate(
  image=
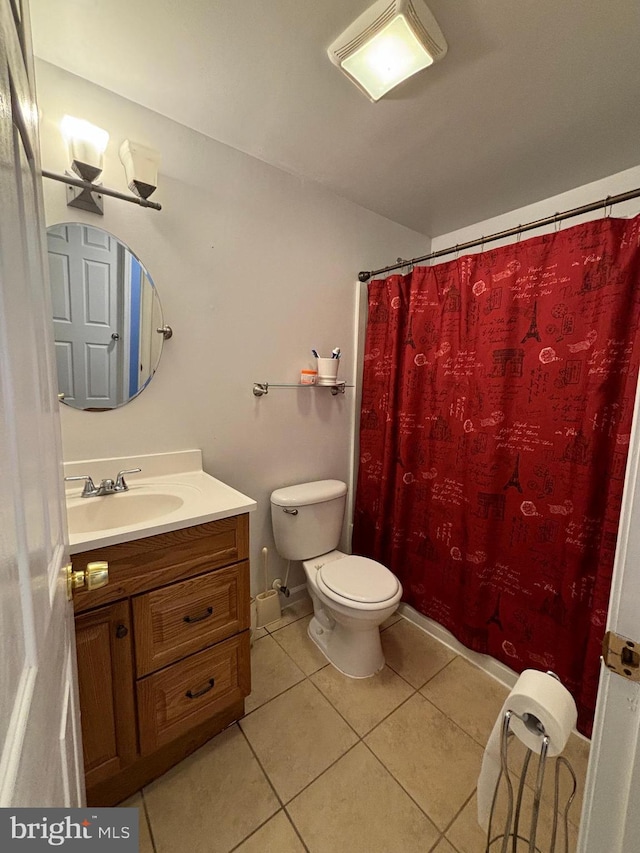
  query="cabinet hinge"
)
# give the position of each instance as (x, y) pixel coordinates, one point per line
(621, 655)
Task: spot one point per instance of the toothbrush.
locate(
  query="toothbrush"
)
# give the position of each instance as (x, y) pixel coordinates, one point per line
(314, 353)
(335, 353)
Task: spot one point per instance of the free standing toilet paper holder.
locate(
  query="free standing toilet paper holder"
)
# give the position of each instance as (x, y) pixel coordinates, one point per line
(512, 821)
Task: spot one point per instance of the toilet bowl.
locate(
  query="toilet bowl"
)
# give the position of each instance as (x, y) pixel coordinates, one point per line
(351, 595)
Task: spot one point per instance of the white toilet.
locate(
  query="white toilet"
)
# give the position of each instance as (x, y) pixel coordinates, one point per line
(351, 596)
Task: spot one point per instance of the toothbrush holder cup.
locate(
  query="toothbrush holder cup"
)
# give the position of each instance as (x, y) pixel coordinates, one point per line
(328, 369)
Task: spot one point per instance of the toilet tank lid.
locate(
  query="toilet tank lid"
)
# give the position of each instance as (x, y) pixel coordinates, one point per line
(309, 493)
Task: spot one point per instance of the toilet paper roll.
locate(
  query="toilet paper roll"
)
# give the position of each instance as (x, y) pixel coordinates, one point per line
(536, 696)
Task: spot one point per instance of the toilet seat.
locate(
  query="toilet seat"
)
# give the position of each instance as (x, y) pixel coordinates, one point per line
(357, 579)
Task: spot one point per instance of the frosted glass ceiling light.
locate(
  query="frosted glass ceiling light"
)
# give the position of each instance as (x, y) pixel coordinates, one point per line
(388, 43)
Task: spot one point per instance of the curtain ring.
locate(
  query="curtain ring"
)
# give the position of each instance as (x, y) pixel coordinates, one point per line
(556, 224)
(457, 252)
(482, 244)
(519, 237)
(606, 201)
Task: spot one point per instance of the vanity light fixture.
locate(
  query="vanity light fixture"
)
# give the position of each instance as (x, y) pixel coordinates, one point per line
(141, 167)
(390, 42)
(87, 144)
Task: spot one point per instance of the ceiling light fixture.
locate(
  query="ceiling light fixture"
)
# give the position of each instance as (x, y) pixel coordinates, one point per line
(388, 43)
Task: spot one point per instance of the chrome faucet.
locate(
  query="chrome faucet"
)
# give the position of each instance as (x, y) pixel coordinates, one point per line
(89, 489)
(120, 485)
(106, 487)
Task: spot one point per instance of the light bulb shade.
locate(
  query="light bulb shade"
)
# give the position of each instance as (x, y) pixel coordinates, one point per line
(388, 43)
(141, 167)
(87, 144)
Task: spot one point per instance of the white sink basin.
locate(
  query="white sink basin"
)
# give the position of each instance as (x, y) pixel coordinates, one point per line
(171, 492)
(121, 510)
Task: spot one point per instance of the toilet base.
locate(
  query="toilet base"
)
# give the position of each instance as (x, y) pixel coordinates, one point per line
(355, 653)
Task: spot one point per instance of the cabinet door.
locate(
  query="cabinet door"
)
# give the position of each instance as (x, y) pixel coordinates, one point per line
(105, 671)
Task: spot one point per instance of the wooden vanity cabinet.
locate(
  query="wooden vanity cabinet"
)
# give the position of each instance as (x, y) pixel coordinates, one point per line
(163, 652)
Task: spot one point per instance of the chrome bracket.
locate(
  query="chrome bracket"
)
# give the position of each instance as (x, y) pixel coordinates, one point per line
(260, 389)
(165, 331)
(85, 199)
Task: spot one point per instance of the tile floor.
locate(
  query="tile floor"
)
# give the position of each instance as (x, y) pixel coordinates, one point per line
(328, 764)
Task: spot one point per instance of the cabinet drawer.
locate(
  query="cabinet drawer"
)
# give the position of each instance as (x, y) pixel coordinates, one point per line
(173, 701)
(180, 619)
(154, 561)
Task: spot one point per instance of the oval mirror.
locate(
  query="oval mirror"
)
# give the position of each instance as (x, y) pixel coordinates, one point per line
(107, 318)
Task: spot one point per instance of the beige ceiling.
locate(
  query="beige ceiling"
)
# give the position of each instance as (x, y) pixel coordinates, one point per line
(533, 98)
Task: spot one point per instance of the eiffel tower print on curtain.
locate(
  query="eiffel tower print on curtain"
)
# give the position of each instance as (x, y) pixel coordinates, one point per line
(514, 479)
(532, 331)
(409, 339)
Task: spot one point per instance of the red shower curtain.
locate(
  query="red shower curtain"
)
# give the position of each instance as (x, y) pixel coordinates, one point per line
(497, 402)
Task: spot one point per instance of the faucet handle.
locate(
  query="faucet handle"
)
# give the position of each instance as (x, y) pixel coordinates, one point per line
(121, 485)
(89, 487)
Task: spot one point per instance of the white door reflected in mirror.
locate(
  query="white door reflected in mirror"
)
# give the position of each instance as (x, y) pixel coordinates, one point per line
(107, 318)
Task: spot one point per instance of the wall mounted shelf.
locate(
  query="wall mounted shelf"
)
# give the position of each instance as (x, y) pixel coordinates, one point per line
(262, 388)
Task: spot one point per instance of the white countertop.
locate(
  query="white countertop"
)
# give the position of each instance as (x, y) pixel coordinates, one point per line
(174, 482)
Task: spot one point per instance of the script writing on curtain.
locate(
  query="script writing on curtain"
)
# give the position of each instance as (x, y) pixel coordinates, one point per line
(497, 403)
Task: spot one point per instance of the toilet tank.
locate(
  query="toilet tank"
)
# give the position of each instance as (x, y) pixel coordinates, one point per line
(307, 518)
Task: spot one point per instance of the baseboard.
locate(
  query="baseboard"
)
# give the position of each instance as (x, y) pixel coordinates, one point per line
(500, 671)
(486, 663)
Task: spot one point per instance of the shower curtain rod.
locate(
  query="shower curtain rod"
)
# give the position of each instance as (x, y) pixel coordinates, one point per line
(510, 232)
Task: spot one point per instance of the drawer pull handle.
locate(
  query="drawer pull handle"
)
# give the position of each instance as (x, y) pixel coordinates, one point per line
(121, 631)
(191, 695)
(191, 619)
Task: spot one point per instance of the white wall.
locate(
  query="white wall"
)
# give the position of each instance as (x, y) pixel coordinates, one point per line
(618, 183)
(254, 267)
